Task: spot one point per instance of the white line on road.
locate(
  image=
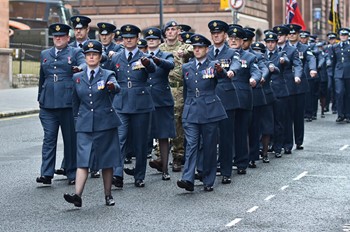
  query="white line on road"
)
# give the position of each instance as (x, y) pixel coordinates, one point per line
(251, 210)
(300, 176)
(325, 176)
(234, 222)
(343, 147)
(269, 197)
(18, 117)
(284, 187)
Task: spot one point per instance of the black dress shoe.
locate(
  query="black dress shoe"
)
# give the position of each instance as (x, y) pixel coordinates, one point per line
(95, 174)
(71, 182)
(109, 200)
(188, 186)
(314, 118)
(252, 164)
(60, 171)
(241, 171)
(165, 176)
(300, 147)
(347, 120)
(118, 182)
(139, 183)
(208, 188)
(278, 155)
(287, 151)
(226, 180)
(73, 198)
(340, 119)
(127, 160)
(265, 159)
(198, 176)
(308, 119)
(130, 171)
(44, 179)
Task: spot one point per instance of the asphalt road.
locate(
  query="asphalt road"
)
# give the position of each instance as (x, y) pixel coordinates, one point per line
(306, 191)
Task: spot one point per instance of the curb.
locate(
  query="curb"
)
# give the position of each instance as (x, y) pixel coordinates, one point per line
(18, 113)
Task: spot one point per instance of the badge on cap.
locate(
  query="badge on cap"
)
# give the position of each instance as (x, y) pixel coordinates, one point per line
(103, 26)
(270, 35)
(139, 42)
(90, 45)
(118, 32)
(257, 44)
(291, 26)
(173, 23)
(215, 24)
(278, 28)
(77, 19)
(235, 30)
(196, 38)
(128, 28)
(58, 28)
(187, 36)
(150, 32)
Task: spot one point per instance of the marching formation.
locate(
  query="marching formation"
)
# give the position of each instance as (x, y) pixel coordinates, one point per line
(213, 104)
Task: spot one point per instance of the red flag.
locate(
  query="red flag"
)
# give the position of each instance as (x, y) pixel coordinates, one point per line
(293, 14)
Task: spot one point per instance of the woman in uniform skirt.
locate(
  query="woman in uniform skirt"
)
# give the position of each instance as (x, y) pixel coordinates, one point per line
(96, 123)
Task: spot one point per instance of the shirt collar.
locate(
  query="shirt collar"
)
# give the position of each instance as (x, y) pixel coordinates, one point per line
(88, 71)
(133, 52)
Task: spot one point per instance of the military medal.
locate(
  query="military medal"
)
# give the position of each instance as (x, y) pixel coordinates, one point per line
(78, 81)
(69, 61)
(117, 65)
(100, 85)
(244, 64)
(301, 55)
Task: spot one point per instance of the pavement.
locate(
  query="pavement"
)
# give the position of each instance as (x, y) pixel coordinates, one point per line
(19, 101)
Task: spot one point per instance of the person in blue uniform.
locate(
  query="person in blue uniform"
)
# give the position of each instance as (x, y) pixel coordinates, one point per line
(96, 123)
(185, 37)
(293, 74)
(225, 56)
(275, 61)
(296, 109)
(57, 66)
(246, 78)
(341, 75)
(81, 30)
(134, 103)
(107, 33)
(162, 119)
(332, 39)
(202, 112)
(259, 100)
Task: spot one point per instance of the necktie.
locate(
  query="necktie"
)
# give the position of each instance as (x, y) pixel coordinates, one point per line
(80, 45)
(58, 52)
(199, 65)
(152, 53)
(130, 56)
(279, 48)
(216, 52)
(92, 72)
(270, 54)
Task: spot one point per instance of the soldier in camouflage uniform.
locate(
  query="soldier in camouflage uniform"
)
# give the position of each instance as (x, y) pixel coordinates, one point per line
(182, 53)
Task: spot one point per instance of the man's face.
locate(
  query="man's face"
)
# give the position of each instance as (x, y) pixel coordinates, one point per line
(293, 37)
(332, 41)
(81, 34)
(246, 44)
(271, 45)
(304, 40)
(153, 43)
(92, 59)
(343, 38)
(218, 38)
(107, 39)
(130, 43)
(60, 41)
(281, 39)
(171, 33)
(235, 42)
(200, 51)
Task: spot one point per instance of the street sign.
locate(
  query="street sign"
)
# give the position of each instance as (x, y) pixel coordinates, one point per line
(236, 4)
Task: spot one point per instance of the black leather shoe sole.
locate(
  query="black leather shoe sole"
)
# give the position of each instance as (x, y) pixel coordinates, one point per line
(188, 186)
(73, 198)
(44, 180)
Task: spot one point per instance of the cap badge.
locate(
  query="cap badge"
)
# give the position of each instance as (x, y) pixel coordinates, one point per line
(150, 32)
(257, 44)
(77, 19)
(278, 28)
(118, 33)
(196, 38)
(173, 23)
(128, 28)
(90, 45)
(270, 36)
(58, 28)
(139, 42)
(215, 24)
(103, 26)
(235, 30)
(187, 36)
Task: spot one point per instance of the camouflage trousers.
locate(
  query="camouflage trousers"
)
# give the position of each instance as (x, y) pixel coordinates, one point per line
(178, 141)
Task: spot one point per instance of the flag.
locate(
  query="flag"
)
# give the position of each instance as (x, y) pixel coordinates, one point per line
(333, 18)
(293, 14)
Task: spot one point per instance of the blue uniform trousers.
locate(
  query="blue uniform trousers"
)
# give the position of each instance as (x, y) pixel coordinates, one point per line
(295, 121)
(51, 121)
(138, 125)
(254, 133)
(242, 121)
(311, 98)
(342, 95)
(194, 133)
(226, 143)
(279, 113)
